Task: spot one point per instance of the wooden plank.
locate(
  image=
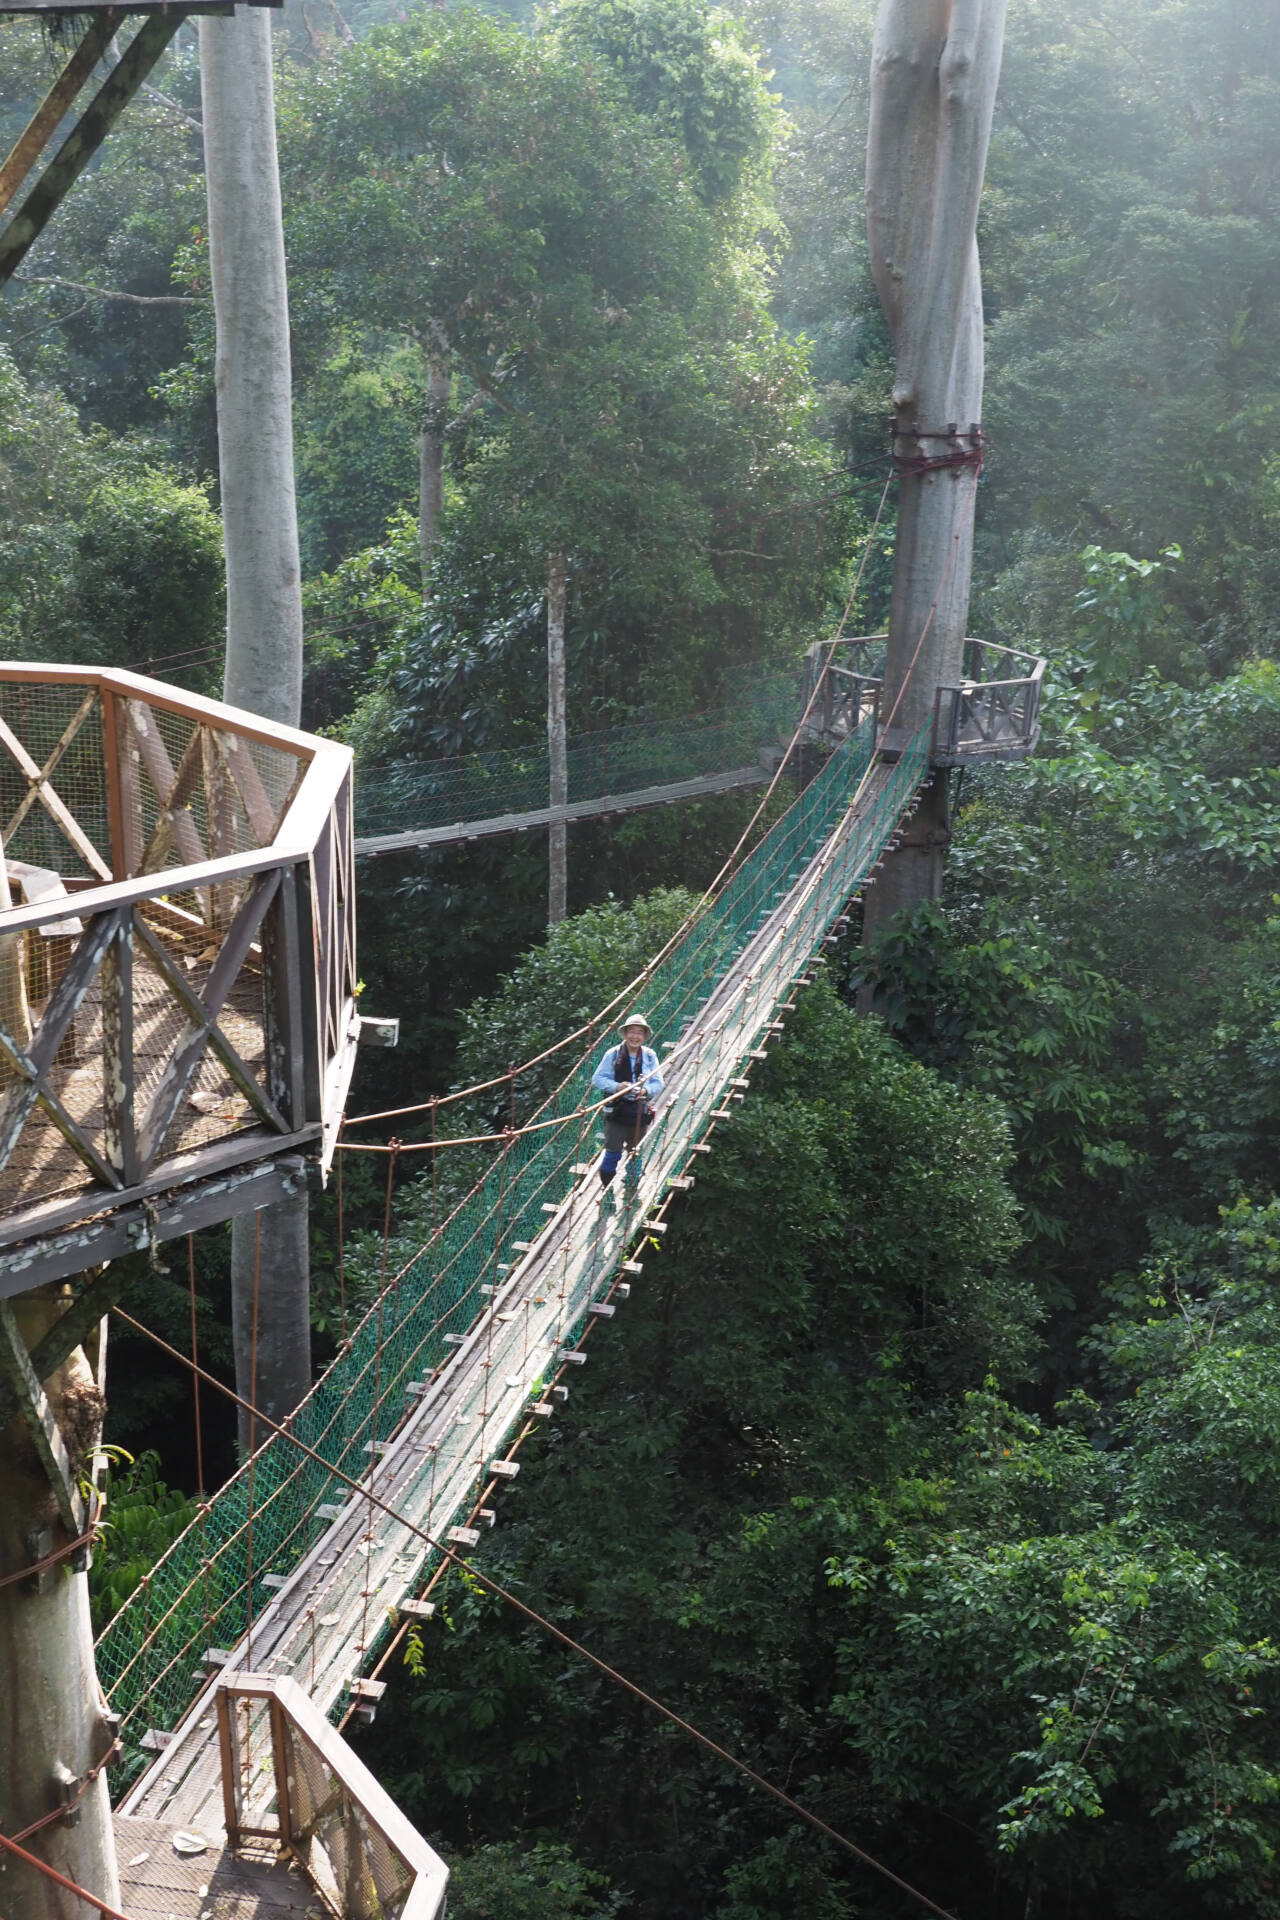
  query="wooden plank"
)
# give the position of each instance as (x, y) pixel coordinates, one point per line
(69, 733)
(576, 810)
(125, 1228)
(119, 1135)
(283, 1031)
(80, 145)
(44, 123)
(166, 699)
(219, 1157)
(196, 1012)
(171, 787)
(248, 784)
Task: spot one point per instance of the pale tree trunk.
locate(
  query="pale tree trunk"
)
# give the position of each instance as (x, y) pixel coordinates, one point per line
(558, 833)
(935, 69)
(53, 1725)
(431, 457)
(269, 1262)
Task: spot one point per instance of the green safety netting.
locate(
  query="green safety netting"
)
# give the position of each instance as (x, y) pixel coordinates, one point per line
(413, 796)
(209, 1585)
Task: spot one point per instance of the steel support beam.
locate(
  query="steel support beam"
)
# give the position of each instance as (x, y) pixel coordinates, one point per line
(80, 145)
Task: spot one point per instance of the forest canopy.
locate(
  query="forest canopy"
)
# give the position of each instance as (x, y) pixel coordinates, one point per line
(934, 1468)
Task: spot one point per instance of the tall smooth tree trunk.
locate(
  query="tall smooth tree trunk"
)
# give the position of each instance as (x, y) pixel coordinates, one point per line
(431, 458)
(270, 1274)
(557, 746)
(53, 1725)
(935, 70)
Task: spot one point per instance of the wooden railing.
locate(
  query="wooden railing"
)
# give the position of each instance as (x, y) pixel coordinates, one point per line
(993, 713)
(177, 974)
(291, 1780)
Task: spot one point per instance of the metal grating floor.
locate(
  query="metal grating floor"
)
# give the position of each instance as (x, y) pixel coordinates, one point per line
(159, 1883)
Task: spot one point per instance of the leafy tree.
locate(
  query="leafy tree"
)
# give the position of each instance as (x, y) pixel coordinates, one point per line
(143, 1516)
(623, 397)
(543, 1882)
(104, 555)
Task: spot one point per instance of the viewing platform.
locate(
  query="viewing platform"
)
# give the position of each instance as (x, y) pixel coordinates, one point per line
(177, 967)
(991, 713)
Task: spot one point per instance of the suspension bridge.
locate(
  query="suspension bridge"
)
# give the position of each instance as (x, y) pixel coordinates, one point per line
(306, 1563)
(178, 1061)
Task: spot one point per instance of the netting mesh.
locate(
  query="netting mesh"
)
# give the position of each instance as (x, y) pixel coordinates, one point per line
(412, 796)
(719, 981)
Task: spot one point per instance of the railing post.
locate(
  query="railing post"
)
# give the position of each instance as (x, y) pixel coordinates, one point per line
(226, 1745)
(119, 1135)
(283, 1019)
(280, 1761)
(309, 1054)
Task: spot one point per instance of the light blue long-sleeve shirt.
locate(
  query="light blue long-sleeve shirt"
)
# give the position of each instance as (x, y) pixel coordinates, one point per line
(649, 1078)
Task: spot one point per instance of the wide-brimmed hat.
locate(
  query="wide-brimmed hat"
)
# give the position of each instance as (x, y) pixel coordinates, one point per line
(637, 1020)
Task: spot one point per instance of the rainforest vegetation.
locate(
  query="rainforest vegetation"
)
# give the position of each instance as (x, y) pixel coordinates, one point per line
(935, 1468)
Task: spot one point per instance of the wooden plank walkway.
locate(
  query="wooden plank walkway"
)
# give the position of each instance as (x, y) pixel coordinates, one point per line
(435, 1466)
(697, 788)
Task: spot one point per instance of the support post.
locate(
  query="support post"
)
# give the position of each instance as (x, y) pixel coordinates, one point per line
(935, 69)
(557, 745)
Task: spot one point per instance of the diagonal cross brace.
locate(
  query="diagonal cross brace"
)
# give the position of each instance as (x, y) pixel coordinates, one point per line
(34, 1063)
(33, 1404)
(201, 1017)
(84, 140)
(197, 1011)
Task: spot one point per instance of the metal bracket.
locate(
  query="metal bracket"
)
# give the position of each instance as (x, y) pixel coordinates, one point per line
(15, 1364)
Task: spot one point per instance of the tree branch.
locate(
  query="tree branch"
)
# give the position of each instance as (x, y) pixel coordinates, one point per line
(174, 106)
(112, 293)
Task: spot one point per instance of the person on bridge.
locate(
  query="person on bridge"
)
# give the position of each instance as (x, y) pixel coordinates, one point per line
(631, 1072)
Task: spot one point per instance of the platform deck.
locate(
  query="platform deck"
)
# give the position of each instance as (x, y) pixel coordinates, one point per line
(159, 1883)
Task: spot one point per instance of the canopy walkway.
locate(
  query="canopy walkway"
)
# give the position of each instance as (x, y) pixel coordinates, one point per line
(992, 714)
(650, 762)
(306, 1562)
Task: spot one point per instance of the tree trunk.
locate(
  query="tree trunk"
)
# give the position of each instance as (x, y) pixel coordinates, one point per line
(558, 833)
(269, 1263)
(431, 458)
(271, 1312)
(53, 1725)
(935, 68)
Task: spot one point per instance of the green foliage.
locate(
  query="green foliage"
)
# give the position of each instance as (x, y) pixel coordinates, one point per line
(148, 580)
(1030, 1654)
(356, 449)
(683, 66)
(142, 1516)
(104, 556)
(541, 1882)
(621, 394)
